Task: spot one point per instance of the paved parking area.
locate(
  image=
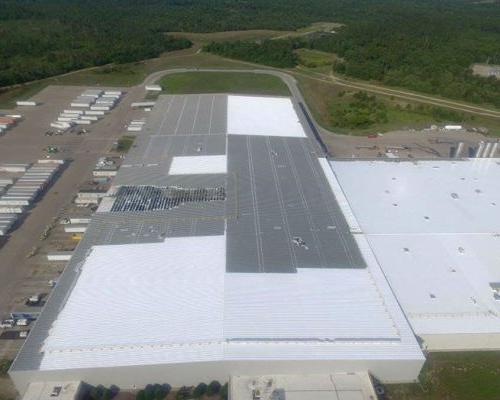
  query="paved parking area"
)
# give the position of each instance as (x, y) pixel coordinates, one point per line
(405, 144)
(23, 274)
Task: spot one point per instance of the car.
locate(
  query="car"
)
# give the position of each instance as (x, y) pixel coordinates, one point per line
(33, 300)
(23, 334)
(7, 323)
(23, 322)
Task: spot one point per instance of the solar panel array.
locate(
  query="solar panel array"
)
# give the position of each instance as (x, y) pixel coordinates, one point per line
(151, 198)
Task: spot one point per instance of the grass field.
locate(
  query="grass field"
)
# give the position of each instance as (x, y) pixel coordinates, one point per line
(123, 75)
(314, 27)
(315, 58)
(222, 82)
(323, 98)
(205, 38)
(454, 376)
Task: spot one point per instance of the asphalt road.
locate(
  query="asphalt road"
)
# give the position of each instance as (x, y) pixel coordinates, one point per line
(288, 79)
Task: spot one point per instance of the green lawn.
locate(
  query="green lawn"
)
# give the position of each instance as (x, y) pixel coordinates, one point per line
(454, 376)
(315, 58)
(9, 97)
(223, 82)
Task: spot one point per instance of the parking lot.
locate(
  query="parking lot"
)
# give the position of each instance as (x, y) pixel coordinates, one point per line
(422, 144)
(24, 268)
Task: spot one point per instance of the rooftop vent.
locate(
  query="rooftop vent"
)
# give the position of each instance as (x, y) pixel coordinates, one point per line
(299, 242)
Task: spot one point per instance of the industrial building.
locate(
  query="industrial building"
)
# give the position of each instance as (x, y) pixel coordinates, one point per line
(223, 248)
(434, 227)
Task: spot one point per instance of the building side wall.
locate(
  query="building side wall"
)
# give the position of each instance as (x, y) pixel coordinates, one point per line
(130, 377)
(461, 342)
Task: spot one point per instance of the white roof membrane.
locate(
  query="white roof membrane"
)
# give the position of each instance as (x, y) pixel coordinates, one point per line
(423, 196)
(173, 302)
(434, 228)
(263, 116)
(144, 295)
(443, 281)
(198, 165)
(312, 304)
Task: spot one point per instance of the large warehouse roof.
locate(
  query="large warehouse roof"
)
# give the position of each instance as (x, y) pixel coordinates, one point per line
(435, 229)
(141, 288)
(460, 196)
(257, 263)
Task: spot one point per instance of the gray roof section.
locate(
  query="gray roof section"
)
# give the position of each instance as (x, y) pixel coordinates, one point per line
(287, 217)
(150, 160)
(201, 114)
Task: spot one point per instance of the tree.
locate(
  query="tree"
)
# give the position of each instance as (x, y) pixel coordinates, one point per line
(213, 388)
(224, 391)
(149, 392)
(200, 390)
(167, 388)
(96, 393)
(141, 395)
(184, 393)
(159, 392)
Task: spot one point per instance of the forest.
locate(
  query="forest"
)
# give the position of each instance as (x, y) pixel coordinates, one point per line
(275, 53)
(424, 45)
(426, 49)
(425, 52)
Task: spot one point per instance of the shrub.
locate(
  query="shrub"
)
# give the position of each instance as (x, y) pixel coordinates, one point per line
(200, 390)
(183, 393)
(96, 393)
(159, 392)
(213, 388)
(141, 395)
(4, 366)
(224, 391)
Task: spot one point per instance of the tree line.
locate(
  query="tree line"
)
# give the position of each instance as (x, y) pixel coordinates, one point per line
(427, 48)
(423, 45)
